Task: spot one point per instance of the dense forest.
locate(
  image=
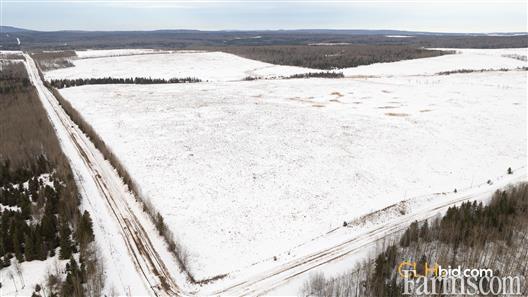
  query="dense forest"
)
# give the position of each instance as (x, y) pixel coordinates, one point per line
(66, 83)
(39, 201)
(329, 56)
(473, 235)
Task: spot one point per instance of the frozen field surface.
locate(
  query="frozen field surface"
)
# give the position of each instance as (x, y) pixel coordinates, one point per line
(212, 66)
(218, 66)
(242, 171)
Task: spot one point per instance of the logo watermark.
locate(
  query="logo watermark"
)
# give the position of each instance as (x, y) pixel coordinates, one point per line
(426, 279)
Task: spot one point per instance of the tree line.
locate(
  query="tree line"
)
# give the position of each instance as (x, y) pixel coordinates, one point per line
(66, 83)
(322, 74)
(480, 70)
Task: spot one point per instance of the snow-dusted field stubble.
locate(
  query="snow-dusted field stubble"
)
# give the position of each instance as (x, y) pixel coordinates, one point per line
(242, 171)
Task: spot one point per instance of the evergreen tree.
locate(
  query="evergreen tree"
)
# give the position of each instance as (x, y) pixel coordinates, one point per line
(72, 285)
(33, 188)
(67, 287)
(25, 206)
(66, 246)
(29, 248)
(85, 229)
(49, 227)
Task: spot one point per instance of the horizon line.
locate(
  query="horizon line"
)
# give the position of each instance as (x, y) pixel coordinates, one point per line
(263, 30)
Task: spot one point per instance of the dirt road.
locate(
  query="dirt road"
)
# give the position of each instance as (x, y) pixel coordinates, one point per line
(144, 254)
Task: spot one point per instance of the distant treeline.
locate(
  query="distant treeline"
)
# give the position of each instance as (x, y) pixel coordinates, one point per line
(322, 74)
(66, 83)
(318, 74)
(191, 39)
(479, 70)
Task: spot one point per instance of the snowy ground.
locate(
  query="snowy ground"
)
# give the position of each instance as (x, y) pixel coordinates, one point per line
(86, 54)
(21, 281)
(242, 171)
(212, 66)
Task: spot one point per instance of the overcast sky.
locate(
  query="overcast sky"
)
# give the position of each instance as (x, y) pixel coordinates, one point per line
(436, 16)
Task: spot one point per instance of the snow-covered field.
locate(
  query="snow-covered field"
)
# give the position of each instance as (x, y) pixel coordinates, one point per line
(86, 54)
(242, 171)
(212, 66)
(218, 66)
